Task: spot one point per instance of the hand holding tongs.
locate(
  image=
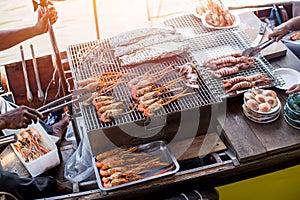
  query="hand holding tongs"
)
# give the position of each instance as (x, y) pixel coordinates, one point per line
(252, 51)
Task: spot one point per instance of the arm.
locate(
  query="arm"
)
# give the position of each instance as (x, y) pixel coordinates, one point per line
(20, 117)
(10, 38)
(293, 89)
(281, 30)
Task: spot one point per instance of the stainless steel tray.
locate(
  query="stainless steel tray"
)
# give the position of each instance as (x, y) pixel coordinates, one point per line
(156, 148)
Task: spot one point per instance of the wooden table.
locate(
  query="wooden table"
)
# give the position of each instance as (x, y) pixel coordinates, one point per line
(251, 140)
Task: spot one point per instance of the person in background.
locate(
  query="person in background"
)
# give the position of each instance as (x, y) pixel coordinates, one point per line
(10, 38)
(21, 117)
(280, 31)
(283, 29)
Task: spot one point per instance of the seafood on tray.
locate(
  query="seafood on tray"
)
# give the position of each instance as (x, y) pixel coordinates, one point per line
(217, 14)
(30, 144)
(119, 166)
(228, 65)
(201, 7)
(261, 100)
(244, 82)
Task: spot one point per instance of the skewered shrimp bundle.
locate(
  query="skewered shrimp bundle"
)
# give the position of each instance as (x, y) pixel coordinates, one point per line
(228, 65)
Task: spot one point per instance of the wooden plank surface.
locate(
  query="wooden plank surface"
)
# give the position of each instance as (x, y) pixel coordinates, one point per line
(252, 140)
(277, 136)
(239, 134)
(197, 147)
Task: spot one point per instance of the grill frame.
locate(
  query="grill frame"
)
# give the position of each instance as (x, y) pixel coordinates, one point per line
(91, 66)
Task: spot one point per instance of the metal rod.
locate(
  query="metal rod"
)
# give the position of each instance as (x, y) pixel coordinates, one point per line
(37, 77)
(28, 92)
(57, 57)
(58, 107)
(60, 100)
(96, 19)
(4, 140)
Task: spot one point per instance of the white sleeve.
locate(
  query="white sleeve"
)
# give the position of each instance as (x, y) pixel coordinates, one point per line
(5, 106)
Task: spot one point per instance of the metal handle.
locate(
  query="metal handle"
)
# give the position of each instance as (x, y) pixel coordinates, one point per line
(266, 43)
(4, 140)
(38, 82)
(262, 28)
(28, 92)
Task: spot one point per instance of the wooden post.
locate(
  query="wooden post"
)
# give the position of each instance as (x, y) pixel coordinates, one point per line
(96, 19)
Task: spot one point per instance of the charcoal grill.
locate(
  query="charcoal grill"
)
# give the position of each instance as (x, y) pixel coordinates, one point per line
(102, 60)
(91, 59)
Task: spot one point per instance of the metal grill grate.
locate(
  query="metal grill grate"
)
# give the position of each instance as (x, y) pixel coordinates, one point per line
(207, 43)
(217, 44)
(191, 25)
(93, 58)
(101, 59)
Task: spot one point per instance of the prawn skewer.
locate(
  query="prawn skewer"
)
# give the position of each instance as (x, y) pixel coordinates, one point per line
(225, 72)
(157, 105)
(230, 82)
(247, 84)
(145, 90)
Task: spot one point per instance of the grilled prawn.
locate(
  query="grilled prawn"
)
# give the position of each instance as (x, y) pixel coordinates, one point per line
(224, 72)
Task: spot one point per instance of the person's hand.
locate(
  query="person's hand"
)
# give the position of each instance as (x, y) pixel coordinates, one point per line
(19, 117)
(43, 17)
(279, 32)
(293, 89)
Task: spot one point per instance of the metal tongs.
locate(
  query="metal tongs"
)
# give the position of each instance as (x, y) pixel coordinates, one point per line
(76, 96)
(252, 51)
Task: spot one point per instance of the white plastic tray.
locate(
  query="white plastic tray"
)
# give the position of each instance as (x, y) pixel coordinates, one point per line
(42, 163)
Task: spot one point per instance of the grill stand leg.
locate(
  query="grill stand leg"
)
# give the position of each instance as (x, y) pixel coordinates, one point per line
(75, 128)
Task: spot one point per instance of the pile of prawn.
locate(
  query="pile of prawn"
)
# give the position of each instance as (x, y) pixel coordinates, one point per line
(30, 145)
(106, 105)
(119, 166)
(245, 82)
(218, 15)
(228, 65)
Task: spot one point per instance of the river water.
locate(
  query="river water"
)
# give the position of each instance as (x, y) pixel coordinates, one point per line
(75, 24)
